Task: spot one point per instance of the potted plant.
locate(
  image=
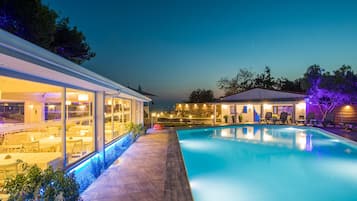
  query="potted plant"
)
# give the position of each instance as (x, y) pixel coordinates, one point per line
(136, 130)
(225, 118)
(233, 119)
(240, 118)
(36, 184)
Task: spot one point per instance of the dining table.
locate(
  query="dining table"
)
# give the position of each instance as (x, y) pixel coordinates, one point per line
(54, 143)
(41, 159)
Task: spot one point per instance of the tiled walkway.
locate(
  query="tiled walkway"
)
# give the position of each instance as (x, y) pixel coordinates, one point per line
(150, 170)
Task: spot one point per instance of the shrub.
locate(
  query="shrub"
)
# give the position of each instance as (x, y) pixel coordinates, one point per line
(40, 185)
(135, 129)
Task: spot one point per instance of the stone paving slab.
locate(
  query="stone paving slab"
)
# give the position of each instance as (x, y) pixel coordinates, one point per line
(150, 170)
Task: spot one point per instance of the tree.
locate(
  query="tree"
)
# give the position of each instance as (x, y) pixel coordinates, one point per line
(265, 80)
(328, 91)
(201, 96)
(244, 80)
(70, 43)
(37, 23)
(312, 74)
(285, 84)
(29, 20)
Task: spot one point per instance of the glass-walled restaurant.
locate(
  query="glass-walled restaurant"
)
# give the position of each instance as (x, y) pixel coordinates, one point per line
(32, 122)
(54, 112)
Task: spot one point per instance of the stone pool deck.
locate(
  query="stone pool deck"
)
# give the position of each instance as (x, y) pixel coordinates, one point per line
(151, 169)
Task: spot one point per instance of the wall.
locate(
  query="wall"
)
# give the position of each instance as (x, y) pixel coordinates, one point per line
(346, 113)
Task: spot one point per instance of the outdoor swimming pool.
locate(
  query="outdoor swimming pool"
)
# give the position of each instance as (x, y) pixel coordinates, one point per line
(265, 163)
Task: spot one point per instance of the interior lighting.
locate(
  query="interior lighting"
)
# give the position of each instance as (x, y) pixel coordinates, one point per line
(301, 106)
(267, 106)
(83, 97)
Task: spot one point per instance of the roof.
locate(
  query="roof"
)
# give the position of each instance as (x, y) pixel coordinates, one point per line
(145, 93)
(259, 94)
(21, 56)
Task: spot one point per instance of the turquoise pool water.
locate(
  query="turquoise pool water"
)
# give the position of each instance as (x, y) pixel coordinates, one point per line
(269, 163)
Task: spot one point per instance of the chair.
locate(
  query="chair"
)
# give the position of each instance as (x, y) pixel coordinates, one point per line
(76, 147)
(32, 146)
(329, 120)
(268, 117)
(283, 117)
(12, 148)
(8, 170)
(301, 119)
(310, 119)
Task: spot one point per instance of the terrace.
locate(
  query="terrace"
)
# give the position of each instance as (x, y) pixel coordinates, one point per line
(151, 169)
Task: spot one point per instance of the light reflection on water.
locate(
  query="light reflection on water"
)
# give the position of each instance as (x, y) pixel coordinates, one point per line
(254, 162)
(284, 137)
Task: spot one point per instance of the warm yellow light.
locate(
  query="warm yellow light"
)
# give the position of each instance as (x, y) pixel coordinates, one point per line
(225, 133)
(68, 102)
(51, 107)
(31, 106)
(190, 116)
(204, 105)
(180, 105)
(267, 137)
(301, 106)
(161, 113)
(83, 132)
(250, 133)
(82, 107)
(195, 106)
(110, 102)
(267, 106)
(153, 114)
(249, 106)
(224, 107)
(186, 105)
(83, 97)
(171, 116)
(301, 140)
(212, 116)
(348, 107)
(158, 115)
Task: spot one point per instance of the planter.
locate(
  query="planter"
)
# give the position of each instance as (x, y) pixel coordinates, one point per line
(225, 119)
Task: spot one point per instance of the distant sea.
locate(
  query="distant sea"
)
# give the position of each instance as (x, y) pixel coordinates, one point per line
(163, 105)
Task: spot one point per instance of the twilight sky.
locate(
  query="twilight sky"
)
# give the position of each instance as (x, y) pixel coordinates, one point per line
(173, 47)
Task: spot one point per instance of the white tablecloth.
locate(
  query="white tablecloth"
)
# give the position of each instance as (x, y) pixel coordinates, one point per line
(41, 159)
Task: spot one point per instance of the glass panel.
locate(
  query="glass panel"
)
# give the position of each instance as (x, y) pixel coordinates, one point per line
(79, 124)
(30, 124)
(120, 113)
(108, 115)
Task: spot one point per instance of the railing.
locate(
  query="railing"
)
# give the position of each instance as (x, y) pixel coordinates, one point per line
(182, 121)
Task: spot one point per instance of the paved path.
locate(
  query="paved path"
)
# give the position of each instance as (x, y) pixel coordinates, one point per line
(150, 170)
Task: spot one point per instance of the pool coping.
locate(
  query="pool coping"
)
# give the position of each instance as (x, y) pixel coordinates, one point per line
(181, 162)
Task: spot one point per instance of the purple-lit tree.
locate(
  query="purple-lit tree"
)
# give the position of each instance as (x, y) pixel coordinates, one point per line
(326, 99)
(328, 91)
